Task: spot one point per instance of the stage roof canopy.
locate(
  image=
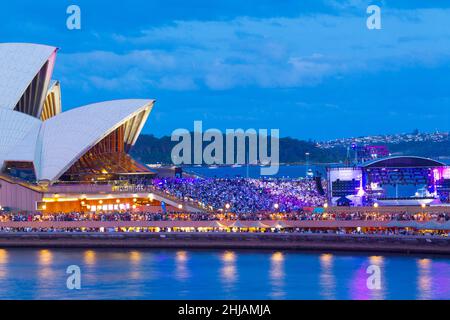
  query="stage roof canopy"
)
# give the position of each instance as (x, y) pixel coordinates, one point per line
(403, 162)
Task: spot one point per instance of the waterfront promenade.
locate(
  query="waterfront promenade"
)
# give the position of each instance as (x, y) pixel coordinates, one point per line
(366, 233)
(364, 229)
(209, 225)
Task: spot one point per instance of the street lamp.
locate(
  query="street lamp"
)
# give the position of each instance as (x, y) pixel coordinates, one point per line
(276, 206)
(307, 163)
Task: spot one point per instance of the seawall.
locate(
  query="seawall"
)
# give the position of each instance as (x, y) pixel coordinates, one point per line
(220, 240)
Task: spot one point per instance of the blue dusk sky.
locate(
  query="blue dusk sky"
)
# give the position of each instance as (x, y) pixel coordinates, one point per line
(310, 68)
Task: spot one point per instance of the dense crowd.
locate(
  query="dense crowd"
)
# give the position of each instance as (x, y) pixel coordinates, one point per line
(367, 216)
(202, 216)
(240, 195)
(317, 231)
(112, 216)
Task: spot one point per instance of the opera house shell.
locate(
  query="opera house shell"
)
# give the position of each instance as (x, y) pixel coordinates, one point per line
(40, 143)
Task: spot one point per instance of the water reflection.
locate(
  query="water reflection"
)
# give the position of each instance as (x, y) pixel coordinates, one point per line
(228, 272)
(378, 294)
(361, 290)
(89, 257)
(277, 275)
(46, 274)
(45, 258)
(181, 270)
(327, 278)
(3, 264)
(3, 256)
(424, 280)
(376, 260)
(173, 274)
(135, 259)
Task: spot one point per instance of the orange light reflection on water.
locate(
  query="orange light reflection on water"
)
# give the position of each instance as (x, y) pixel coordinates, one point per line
(277, 275)
(424, 279)
(327, 277)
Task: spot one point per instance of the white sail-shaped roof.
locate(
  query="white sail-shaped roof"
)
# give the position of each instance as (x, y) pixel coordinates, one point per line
(52, 104)
(32, 127)
(19, 64)
(69, 135)
(18, 134)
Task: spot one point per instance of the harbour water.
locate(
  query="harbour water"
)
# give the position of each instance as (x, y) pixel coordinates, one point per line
(218, 274)
(285, 171)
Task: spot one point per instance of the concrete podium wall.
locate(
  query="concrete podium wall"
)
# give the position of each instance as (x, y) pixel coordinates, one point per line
(18, 196)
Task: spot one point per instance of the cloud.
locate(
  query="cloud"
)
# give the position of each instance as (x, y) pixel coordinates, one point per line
(352, 4)
(265, 52)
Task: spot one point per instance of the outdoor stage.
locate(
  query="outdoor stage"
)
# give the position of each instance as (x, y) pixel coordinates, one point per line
(391, 181)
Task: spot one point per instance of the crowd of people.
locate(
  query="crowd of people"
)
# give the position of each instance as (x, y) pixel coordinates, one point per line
(108, 216)
(220, 216)
(237, 199)
(317, 231)
(241, 196)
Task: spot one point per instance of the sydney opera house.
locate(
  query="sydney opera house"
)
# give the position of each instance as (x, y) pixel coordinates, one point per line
(49, 157)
